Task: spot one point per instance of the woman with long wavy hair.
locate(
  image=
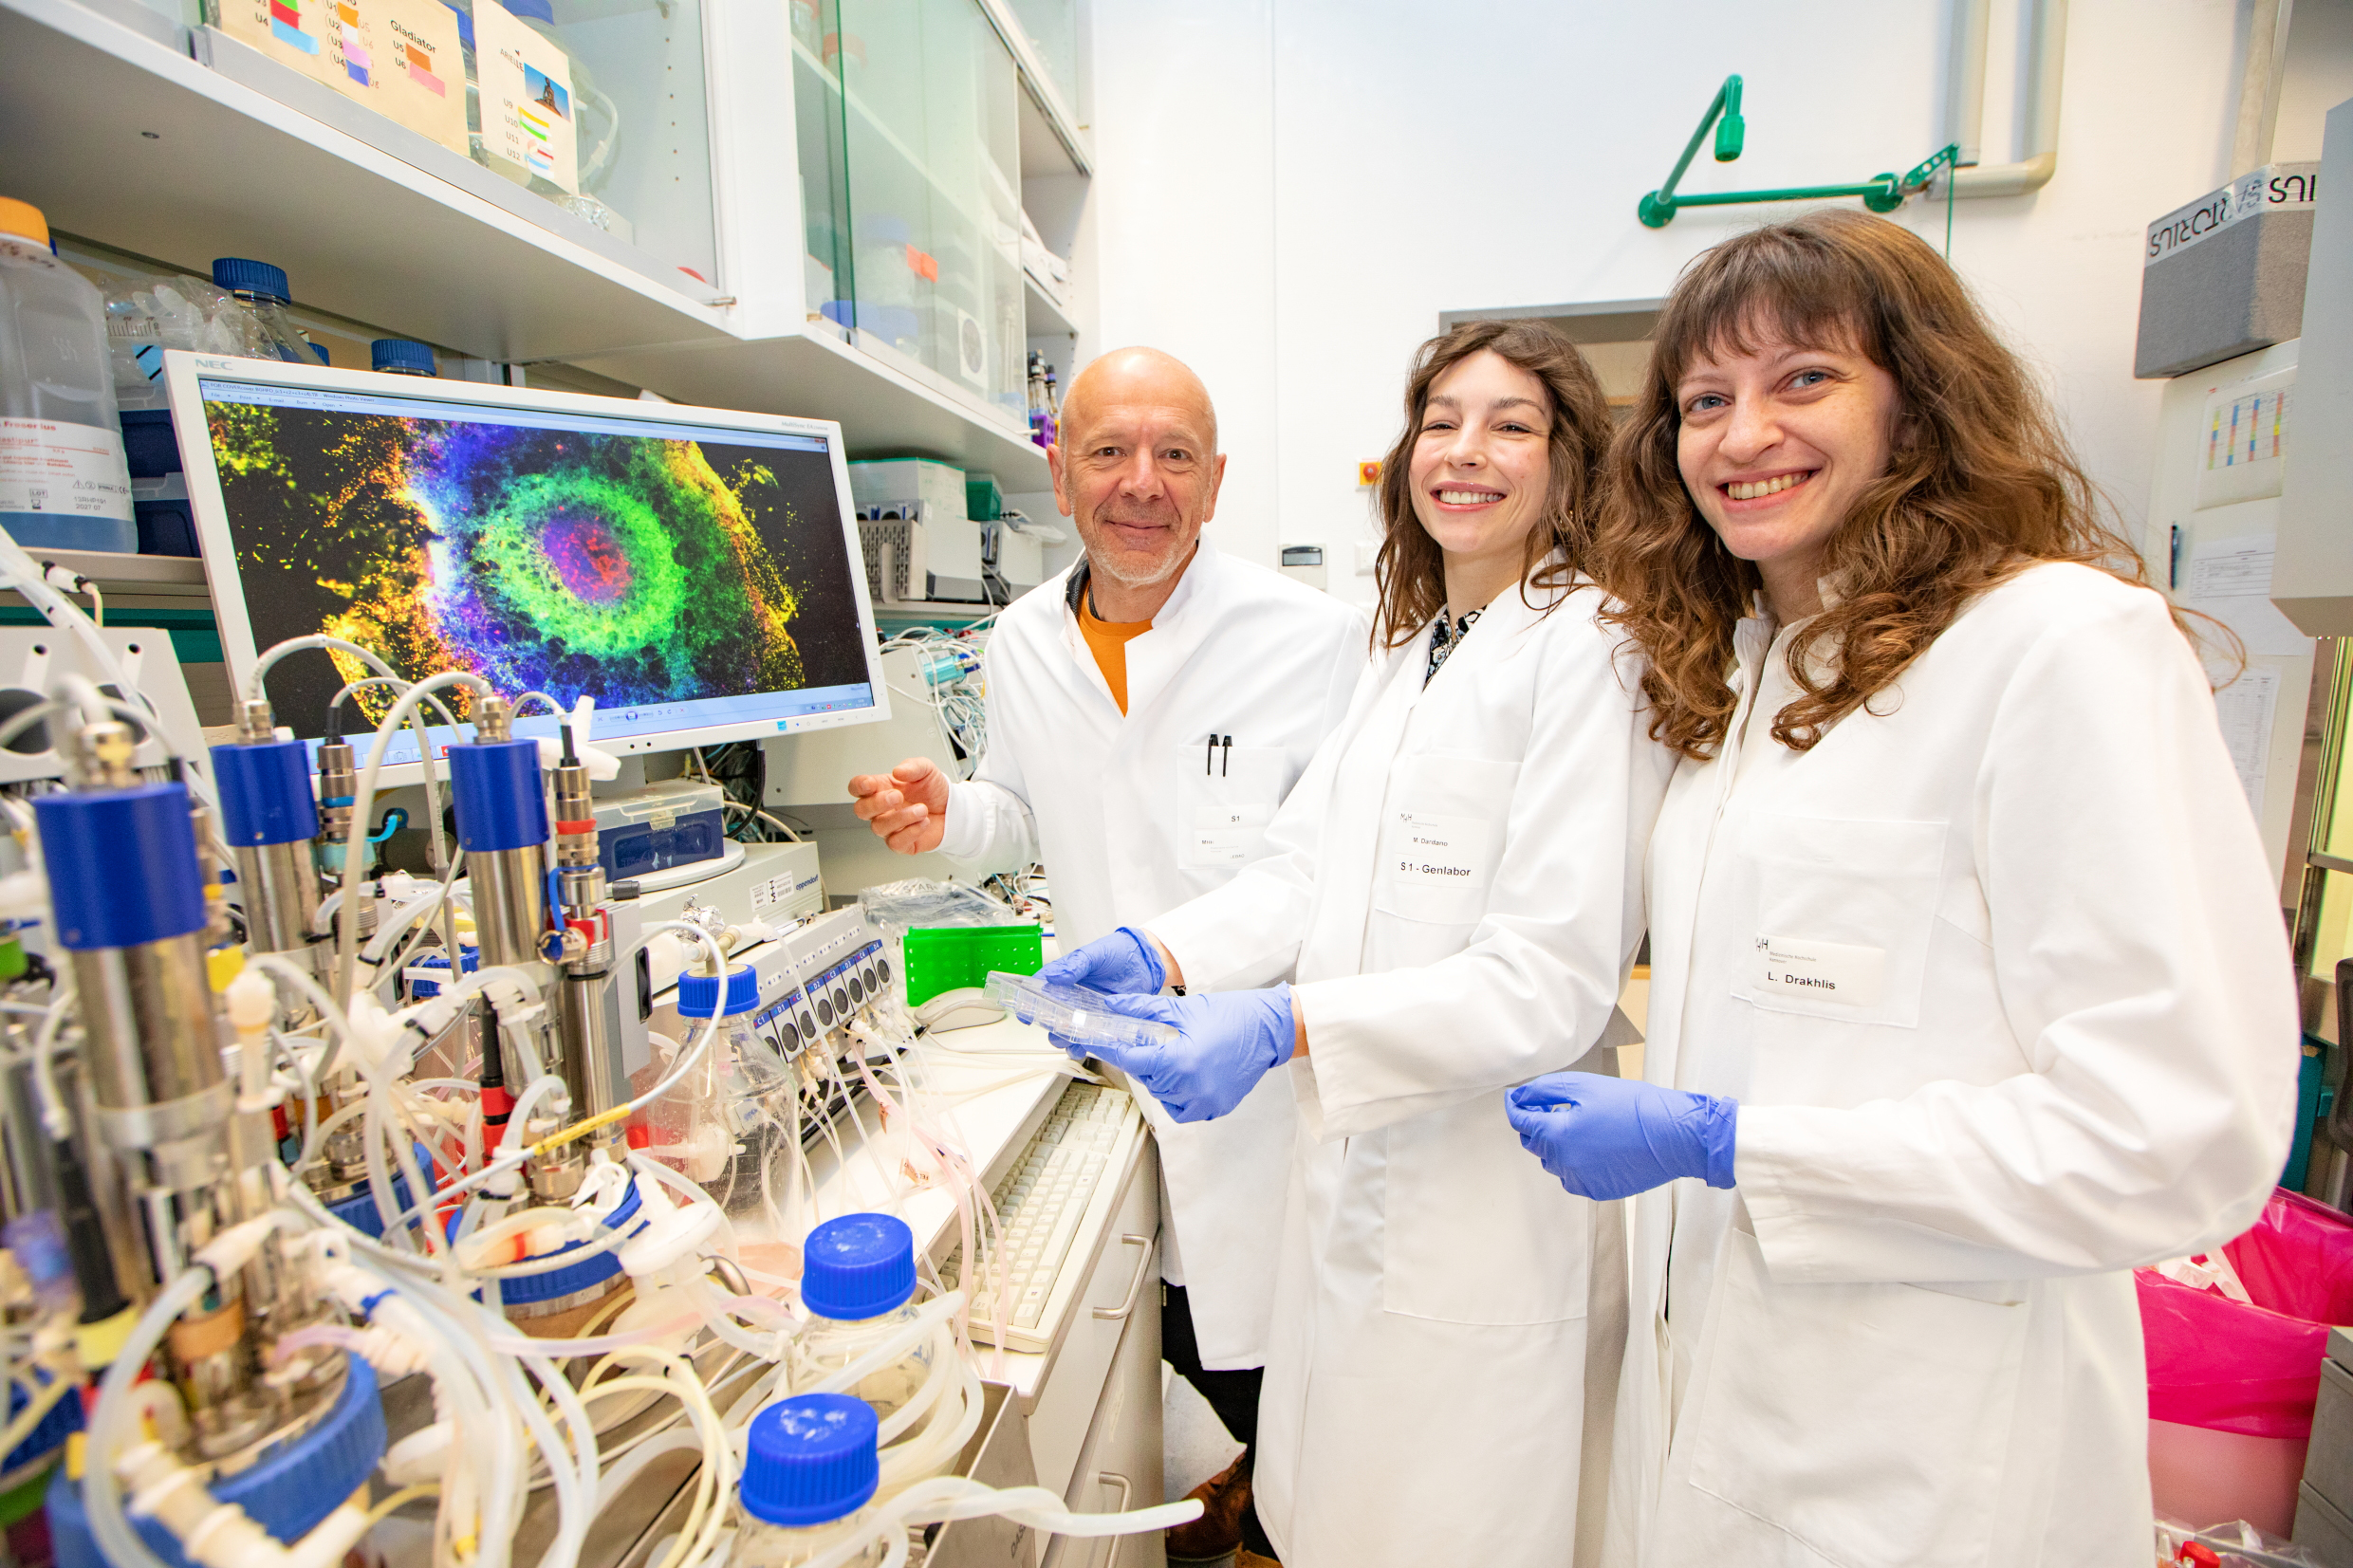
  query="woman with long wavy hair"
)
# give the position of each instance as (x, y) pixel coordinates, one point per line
(1968, 990)
(1453, 894)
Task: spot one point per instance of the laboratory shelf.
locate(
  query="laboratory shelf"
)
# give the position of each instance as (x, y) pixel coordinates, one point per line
(156, 576)
(885, 410)
(143, 147)
(133, 143)
(1047, 316)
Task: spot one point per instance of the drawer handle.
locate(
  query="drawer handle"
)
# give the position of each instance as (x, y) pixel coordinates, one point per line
(1126, 1490)
(1113, 1314)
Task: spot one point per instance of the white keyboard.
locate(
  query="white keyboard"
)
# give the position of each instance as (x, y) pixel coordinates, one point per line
(1051, 1199)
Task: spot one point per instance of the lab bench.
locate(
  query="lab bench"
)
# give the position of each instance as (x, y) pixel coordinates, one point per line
(1082, 1418)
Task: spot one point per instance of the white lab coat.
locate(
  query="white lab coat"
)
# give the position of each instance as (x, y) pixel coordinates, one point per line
(1133, 815)
(1459, 891)
(1997, 976)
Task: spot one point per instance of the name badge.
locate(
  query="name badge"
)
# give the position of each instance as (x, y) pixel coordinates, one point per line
(1438, 850)
(1826, 971)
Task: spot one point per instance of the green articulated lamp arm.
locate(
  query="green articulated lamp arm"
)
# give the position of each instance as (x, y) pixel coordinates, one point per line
(1881, 193)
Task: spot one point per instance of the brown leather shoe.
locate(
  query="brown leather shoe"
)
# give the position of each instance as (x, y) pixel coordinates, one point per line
(1218, 1531)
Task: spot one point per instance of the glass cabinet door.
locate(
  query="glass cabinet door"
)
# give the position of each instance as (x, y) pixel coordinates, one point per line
(596, 105)
(930, 157)
(1053, 29)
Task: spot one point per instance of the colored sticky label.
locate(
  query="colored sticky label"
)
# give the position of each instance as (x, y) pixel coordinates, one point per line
(427, 80)
(293, 37)
(281, 11)
(357, 73)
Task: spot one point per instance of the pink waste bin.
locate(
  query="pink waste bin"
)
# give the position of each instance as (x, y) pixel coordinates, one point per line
(2231, 1384)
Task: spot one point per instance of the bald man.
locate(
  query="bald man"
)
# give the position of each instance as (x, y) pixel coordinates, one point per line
(1148, 710)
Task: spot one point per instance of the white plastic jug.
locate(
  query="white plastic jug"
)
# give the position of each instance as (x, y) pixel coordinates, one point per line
(64, 484)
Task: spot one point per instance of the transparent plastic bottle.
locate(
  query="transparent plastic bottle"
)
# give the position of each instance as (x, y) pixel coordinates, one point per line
(472, 60)
(693, 1128)
(263, 291)
(809, 1470)
(63, 484)
(858, 1282)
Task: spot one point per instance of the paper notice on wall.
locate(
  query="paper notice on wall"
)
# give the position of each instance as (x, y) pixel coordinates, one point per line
(2231, 580)
(2246, 707)
(528, 116)
(2243, 453)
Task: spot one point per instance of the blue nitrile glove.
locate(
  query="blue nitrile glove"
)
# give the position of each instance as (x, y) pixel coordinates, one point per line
(1230, 1041)
(1612, 1138)
(1123, 962)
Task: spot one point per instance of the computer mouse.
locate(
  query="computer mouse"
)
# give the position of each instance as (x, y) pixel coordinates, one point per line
(965, 1007)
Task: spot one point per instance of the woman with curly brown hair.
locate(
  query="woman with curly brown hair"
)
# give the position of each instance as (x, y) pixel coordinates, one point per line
(1454, 896)
(1968, 990)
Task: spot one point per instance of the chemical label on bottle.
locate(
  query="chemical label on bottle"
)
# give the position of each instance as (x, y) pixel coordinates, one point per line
(75, 470)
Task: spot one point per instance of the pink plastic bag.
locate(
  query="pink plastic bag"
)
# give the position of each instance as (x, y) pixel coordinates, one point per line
(2253, 1370)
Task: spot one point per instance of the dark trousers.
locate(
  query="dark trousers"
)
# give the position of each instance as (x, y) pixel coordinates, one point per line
(1232, 1395)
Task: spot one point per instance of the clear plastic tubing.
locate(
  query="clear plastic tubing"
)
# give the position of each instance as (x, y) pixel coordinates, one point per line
(858, 1283)
(810, 1472)
(63, 484)
(1075, 1014)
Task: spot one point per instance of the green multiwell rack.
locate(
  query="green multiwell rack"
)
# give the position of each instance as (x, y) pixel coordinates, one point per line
(944, 958)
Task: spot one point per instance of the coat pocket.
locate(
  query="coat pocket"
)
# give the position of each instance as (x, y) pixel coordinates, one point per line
(1473, 1232)
(1441, 837)
(1225, 798)
(1869, 1421)
(1845, 908)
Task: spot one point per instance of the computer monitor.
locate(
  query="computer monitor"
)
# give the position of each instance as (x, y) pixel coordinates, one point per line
(698, 572)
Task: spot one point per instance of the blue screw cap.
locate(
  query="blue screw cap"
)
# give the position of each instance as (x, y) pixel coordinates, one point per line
(698, 994)
(402, 356)
(810, 1460)
(258, 278)
(860, 1265)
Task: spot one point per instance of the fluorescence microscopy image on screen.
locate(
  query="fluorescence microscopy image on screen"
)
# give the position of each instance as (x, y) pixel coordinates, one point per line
(635, 568)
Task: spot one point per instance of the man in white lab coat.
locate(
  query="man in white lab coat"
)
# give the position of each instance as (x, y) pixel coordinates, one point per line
(1148, 710)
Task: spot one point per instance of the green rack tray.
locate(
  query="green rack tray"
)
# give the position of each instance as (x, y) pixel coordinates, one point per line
(942, 958)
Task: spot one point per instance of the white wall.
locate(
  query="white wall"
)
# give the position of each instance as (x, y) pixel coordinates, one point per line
(1289, 192)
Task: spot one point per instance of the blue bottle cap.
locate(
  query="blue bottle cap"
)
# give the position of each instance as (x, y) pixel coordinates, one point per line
(259, 279)
(810, 1460)
(698, 994)
(402, 355)
(534, 10)
(860, 1265)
